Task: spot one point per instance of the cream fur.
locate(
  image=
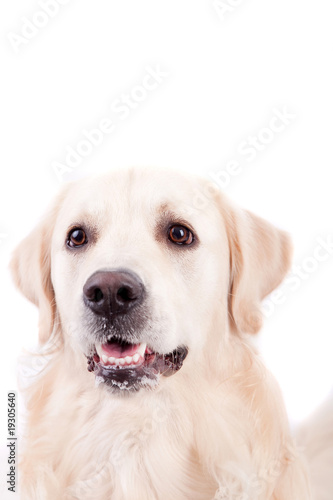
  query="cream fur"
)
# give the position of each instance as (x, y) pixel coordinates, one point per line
(217, 429)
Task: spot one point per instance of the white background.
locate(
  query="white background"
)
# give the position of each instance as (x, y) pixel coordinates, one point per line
(226, 75)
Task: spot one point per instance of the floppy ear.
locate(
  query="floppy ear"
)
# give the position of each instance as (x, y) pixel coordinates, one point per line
(31, 270)
(260, 256)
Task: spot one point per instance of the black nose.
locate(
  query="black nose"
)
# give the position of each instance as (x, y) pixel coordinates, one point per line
(112, 292)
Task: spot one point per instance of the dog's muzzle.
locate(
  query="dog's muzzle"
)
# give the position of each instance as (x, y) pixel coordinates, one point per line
(115, 297)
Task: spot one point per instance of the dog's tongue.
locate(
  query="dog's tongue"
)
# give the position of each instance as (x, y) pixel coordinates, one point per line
(119, 350)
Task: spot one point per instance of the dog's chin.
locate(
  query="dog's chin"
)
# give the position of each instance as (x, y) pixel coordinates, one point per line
(126, 368)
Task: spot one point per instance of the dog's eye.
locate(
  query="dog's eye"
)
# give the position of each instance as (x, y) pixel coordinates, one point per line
(180, 235)
(76, 238)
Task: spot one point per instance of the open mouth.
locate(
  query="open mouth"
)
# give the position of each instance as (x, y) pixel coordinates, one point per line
(125, 366)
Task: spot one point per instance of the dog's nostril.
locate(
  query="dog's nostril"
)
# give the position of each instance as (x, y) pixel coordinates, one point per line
(124, 293)
(98, 295)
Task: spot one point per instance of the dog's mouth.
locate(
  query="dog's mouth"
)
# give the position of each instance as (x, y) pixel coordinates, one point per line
(125, 366)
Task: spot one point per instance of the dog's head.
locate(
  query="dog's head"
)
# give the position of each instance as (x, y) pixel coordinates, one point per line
(133, 275)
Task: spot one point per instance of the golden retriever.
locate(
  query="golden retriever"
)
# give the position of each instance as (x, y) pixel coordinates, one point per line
(152, 389)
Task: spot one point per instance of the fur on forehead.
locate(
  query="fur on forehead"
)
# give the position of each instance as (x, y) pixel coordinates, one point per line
(145, 186)
(149, 192)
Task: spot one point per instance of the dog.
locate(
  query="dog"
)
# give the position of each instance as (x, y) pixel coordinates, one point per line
(152, 389)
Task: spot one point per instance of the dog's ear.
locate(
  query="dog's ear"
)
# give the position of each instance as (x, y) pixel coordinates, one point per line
(31, 269)
(260, 256)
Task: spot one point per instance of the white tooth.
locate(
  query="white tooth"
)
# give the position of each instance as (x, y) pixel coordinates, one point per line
(142, 348)
(112, 360)
(121, 361)
(104, 358)
(128, 360)
(136, 357)
(99, 350)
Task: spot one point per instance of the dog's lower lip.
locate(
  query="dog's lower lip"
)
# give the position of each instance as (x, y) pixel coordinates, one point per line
(143, 373)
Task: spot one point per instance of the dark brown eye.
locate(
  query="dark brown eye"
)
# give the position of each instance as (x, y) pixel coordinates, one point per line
(180, 235)
(76, 238)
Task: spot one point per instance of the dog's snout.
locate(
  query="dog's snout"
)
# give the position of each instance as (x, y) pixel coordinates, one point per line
(113, 292)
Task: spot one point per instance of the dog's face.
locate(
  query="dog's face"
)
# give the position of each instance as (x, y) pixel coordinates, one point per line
(136, 273)
(129, 267)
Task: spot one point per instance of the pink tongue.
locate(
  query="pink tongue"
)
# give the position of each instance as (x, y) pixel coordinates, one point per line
(119, 350)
